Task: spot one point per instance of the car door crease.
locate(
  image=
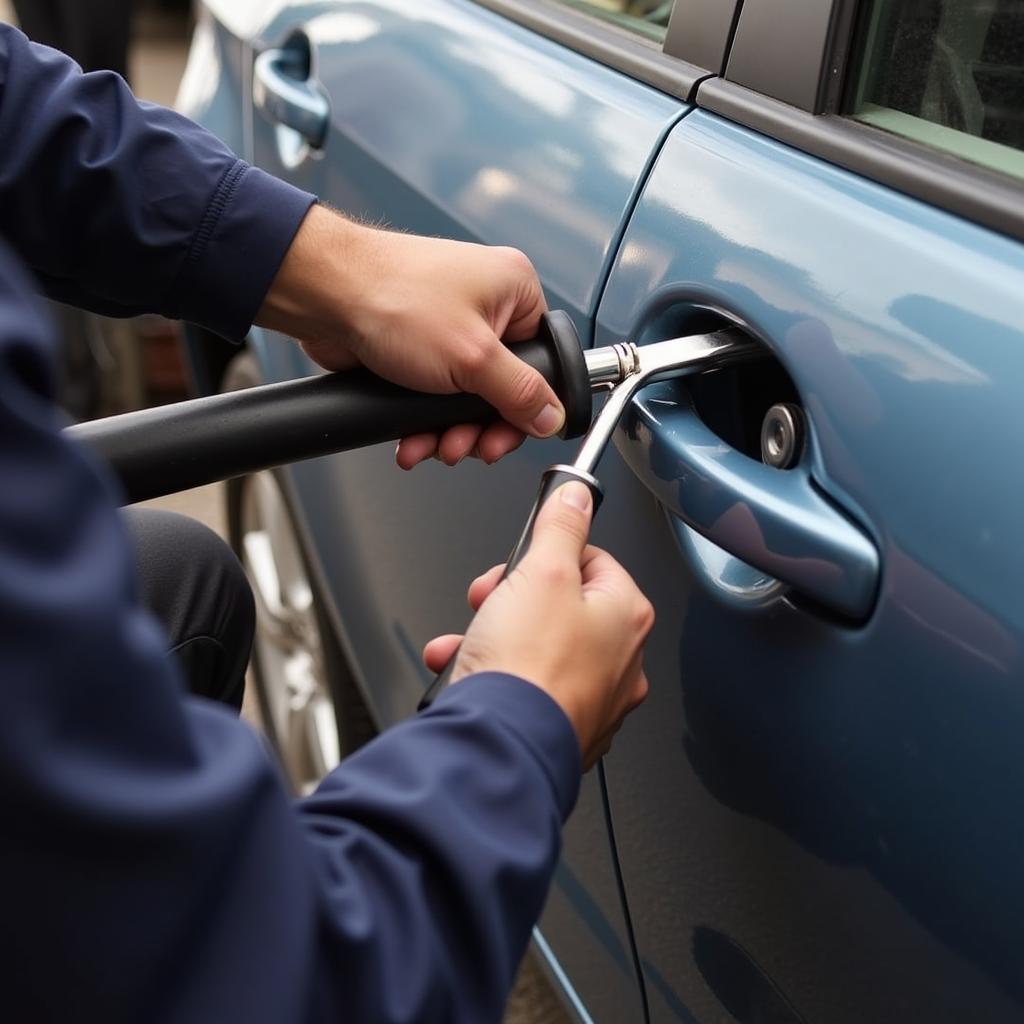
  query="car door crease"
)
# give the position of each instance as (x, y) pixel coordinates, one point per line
(627, 214)
(606, 269)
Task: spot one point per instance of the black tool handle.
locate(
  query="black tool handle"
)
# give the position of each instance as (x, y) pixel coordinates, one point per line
(174, 447)
(552, 479)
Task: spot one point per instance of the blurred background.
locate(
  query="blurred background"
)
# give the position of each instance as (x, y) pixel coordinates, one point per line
(112, 366)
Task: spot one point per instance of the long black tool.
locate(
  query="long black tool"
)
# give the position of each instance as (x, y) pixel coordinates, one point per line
(174, 447)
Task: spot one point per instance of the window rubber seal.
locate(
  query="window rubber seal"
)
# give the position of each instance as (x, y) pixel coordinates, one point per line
(971, 191)
(614, 47)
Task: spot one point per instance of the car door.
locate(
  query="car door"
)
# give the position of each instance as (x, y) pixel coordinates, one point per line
(449, 118)
(817, 810)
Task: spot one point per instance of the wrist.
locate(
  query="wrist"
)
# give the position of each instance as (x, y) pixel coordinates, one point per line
(320, 283)
(533, 715)
(551, 683)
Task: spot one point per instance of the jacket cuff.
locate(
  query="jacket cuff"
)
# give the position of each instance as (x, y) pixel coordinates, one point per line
(534, 717)
(248, 227)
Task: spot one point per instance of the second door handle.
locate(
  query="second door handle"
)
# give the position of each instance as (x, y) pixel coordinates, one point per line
(287, 99)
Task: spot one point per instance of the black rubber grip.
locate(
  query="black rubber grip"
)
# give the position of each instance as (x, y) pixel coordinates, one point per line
(174, 447)
(550, 482)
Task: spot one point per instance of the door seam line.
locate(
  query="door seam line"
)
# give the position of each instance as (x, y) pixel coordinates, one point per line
(615, 244)
(605, 275)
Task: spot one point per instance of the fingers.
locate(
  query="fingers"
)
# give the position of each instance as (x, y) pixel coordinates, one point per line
(452, 447)
(634, 694)
(413, 450)
(439, 651)
(498, 440)
(330, 355)
(482, 587)
(522, 396)
(639, 687)
(458, 442)
(560, 532)
(524, 316)
(489, 444)
(603, 578)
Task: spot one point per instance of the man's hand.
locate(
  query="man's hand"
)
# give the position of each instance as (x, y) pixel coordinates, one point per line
(569, 619)
(426, 313)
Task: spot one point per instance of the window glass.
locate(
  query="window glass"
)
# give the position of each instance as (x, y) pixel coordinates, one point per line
(647, 17)
(948, 73)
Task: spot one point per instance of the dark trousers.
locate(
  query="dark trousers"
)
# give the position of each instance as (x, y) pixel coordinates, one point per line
(193, 583)
(94, 33)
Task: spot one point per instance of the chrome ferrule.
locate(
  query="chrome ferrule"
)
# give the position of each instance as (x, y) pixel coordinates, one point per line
(611, 365)
(629, 369)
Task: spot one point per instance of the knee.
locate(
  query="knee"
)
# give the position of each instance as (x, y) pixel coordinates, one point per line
(191, 580)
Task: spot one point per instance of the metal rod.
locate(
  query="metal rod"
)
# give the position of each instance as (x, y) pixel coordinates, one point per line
(661, 360)
(610, 365)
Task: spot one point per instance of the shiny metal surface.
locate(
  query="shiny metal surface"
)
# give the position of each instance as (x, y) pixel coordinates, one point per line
(803, 808)
(609, 365)
(782, 436)
(662, 360)
(288, 648)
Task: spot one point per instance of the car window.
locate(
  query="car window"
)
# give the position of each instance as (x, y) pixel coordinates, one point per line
(947, 73)
(647, 17)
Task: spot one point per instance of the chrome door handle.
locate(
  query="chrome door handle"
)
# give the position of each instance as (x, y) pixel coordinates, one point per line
(282, 93)
(775, 520)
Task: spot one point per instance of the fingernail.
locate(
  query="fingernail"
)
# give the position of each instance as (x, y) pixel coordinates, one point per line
(549, 421)
(576, 495)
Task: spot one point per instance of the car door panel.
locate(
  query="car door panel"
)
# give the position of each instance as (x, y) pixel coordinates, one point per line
(816, 818)
(448, 119)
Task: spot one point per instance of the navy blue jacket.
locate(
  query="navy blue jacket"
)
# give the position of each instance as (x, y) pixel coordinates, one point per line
(152, 867)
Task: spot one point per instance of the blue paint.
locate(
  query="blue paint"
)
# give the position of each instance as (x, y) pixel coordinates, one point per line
(769, 518)
(448, 119)
(839, 802)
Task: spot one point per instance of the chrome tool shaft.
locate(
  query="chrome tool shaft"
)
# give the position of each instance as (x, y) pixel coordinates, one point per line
(628, 368)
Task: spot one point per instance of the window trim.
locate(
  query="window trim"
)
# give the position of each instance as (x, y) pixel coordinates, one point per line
(605, 43)
(702, 31)
(950, 183)
(794, 51)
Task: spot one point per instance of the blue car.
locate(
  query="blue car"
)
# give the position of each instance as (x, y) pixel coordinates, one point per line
(818, 814)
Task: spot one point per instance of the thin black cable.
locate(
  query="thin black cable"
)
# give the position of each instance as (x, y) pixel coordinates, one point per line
(634, 952)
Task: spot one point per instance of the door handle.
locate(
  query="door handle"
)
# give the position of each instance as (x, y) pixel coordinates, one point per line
(284, 94)
(778, 521)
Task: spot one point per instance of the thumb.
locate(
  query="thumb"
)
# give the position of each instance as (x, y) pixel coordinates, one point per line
(562, 526)
(518, 391)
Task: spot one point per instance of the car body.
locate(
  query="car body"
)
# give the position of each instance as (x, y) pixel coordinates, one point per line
(816, 816)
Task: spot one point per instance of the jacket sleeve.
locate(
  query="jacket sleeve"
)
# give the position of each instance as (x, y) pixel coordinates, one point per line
(123, 207)
(152, 866)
